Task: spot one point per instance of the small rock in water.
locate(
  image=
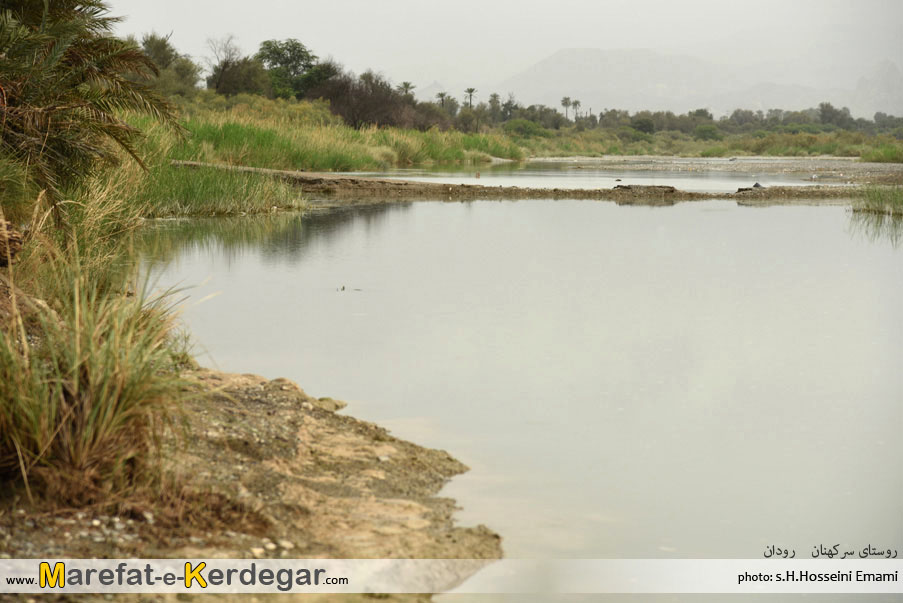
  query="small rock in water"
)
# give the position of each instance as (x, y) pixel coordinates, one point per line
(757, 185)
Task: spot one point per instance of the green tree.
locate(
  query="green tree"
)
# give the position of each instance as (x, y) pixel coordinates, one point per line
(406, 89)
(178, 74)
(509, 107)
(469, 92)
(231, 73)
(495, 108)
(566, 103)
(286, 62)
(66, 80)
(707, 132)
(158, 48)
(318, 75)
(828, 114)
(442, 97)
(643, 124)
(576, 105)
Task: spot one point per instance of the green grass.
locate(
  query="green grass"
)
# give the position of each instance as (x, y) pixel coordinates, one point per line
(885, 153)
(167, 191)
(179, 192)
(305, 136)
(882, 200)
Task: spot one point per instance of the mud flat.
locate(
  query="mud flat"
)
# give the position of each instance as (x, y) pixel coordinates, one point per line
(325, 189)
(266, 471)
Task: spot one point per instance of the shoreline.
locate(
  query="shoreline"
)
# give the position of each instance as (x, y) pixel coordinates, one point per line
(268, 471)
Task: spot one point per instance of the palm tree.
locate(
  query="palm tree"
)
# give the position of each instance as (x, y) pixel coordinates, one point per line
(66, 84)
(406, 88)
(566, 102)
(442, 96)
(469, 92)
(576, 105)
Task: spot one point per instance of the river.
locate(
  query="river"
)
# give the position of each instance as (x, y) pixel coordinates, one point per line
(696, 381)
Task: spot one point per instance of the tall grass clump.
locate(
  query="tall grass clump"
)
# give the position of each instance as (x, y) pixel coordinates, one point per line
(882, 200)
(86, 377)
(84, 390)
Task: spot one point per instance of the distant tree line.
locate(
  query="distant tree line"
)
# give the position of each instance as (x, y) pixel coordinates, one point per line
(288, 69)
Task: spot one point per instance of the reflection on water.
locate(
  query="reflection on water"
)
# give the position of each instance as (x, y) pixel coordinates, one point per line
(276, 238)
(877, 226)
(702, 380)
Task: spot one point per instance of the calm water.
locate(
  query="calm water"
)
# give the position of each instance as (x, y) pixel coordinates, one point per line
(701, 380)
(556, 174)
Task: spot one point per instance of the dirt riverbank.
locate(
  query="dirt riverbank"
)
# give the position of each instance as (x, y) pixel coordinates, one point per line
(266, 471)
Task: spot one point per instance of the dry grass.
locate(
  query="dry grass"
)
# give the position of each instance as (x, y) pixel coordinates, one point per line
(86, 378)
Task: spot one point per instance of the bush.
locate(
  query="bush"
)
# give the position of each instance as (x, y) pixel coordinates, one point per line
(524, 128)
(707, 132)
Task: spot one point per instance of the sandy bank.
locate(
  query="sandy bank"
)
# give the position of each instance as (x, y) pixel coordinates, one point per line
(270, 472)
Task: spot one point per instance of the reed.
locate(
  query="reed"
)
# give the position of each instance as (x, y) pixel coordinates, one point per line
(881, 200)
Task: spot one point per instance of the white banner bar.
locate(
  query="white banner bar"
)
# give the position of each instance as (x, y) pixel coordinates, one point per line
(477, 576)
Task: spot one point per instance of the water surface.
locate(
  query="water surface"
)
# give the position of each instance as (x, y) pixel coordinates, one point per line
(695, 381)
(589, 175)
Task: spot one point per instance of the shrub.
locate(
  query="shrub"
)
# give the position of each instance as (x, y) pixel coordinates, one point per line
(707, 132)
(524, 128)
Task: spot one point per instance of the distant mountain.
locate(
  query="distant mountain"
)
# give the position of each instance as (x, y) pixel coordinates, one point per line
(881, 90)
(645, 79)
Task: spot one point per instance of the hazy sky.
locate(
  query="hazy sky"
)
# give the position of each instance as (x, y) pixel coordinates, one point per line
(481, 43)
